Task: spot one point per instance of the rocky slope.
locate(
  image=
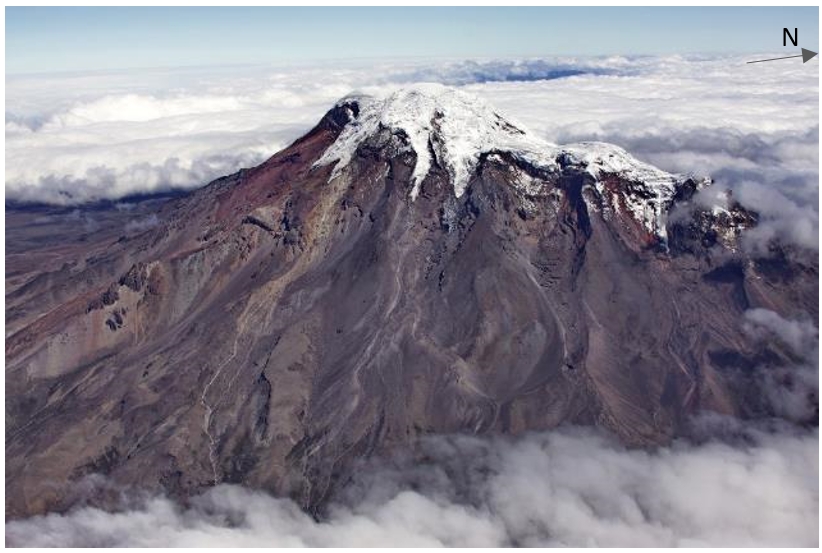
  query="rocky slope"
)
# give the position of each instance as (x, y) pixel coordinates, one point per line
(414, 264)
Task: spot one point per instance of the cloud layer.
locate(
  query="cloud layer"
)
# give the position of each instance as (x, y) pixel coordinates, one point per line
(566, 488)
(754, 128)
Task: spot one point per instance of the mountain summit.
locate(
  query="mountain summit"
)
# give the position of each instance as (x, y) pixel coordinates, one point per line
(454, 130)
(414, 264)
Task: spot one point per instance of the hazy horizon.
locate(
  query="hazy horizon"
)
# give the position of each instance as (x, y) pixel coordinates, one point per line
(48, 40)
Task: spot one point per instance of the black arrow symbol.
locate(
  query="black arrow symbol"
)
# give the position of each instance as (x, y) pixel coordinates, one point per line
(805, 55)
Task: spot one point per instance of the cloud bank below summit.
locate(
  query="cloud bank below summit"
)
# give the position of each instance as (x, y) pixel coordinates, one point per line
(75, 137)
(565, 488)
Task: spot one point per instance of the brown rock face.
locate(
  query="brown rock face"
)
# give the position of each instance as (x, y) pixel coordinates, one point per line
(280, 322)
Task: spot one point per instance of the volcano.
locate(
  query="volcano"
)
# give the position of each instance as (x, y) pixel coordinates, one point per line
(415, 264)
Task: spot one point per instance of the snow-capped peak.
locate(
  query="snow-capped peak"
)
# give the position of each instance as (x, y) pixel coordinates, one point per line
(459, 128)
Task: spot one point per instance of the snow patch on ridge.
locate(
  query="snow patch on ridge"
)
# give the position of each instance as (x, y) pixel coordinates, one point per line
(658, 190)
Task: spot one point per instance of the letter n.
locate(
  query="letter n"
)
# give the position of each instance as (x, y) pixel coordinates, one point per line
(786, 36)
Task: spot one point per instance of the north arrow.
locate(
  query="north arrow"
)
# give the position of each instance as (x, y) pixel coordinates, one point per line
(805, 55)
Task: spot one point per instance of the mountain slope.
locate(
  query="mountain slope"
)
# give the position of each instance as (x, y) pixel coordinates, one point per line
(414, 264)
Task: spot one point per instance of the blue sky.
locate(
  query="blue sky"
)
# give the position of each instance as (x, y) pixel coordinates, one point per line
(71, 39)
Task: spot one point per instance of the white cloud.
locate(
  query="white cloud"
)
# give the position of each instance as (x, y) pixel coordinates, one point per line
(801, 336)
(139, 225)
(792, 390)
(572, 487)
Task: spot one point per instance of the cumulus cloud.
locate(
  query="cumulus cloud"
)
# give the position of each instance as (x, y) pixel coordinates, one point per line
(571, 487)
(754, 128)
(792, 390)
(801, 336)
(140, 225)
